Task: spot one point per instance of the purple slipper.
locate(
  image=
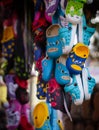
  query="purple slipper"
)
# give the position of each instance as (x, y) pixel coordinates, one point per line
(51, 6)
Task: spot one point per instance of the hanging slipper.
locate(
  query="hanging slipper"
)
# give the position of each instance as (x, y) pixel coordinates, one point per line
(51, 6)
(85, 32)
(54, 46)
(74, 11)
(75, 89)
(67, 37)
(76, 59)
(54, 95)
(62, 75)
(47, 68)
(8, 43)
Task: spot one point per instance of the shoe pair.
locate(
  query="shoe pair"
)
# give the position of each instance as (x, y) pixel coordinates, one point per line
(60, 71)
(76, 60)
(45, 117)
(60, 40)
(81, 87)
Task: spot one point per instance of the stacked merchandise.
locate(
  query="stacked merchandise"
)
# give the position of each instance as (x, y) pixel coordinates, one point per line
(61, 64)
(60, 61)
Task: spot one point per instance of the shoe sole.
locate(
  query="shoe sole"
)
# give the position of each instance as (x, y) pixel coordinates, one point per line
(85, 83)
(80, 32)
(79, 101)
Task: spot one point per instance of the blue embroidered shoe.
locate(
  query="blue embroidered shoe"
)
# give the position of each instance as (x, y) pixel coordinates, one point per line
(75, 90)
(47, 67)
(62, 75)
(54, 46)
(77, 57)
(88, 83)
(85, 32)
(67, 36)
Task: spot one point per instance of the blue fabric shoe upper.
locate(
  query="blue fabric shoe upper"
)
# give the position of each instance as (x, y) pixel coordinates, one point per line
(76, 59)
(87, 32)
(54, 47)
(90, 81)
(45, 117)
(62, 75)
(73, 90)
(75, 63)
(65, 34)
(47, 67)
